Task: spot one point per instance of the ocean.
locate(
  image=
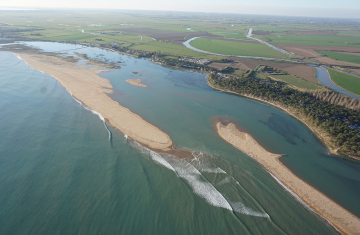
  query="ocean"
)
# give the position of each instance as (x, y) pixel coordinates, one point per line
(64, 171)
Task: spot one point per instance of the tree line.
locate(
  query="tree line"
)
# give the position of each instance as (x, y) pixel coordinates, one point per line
(340, 123)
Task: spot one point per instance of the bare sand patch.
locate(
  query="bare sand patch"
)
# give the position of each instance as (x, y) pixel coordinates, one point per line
(135, 82)
(92, 90)
(343, 220)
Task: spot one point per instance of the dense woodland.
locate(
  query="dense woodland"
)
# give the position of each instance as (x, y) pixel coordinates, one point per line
(340, 123)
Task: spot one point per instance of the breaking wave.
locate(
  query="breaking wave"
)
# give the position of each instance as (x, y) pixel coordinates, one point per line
(241, 208)
(196, 180)
(224, 181)
(94, 112)
(154, 156)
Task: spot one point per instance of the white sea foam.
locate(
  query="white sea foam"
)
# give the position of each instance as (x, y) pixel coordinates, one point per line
(20, 58)
(99, 115)
(154, 156)
(241, 208)
(93, 111)
(216, 170)
(199, 184)
(224, 181)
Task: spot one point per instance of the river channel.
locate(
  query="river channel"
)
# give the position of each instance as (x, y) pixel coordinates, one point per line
(322, 74)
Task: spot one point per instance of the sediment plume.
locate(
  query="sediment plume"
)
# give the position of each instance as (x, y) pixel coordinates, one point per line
(342, 219)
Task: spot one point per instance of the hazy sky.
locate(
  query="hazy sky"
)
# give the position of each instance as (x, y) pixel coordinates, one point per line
(323, 8)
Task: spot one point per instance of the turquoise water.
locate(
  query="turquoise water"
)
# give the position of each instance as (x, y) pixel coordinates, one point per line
(60, 173)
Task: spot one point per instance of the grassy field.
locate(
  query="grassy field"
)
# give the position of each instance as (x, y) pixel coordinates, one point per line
(296, 81)
(172, 49)
(345, 81)
(237, 36)
(315, 40)
(66, 25)
(341, 56)
(235, 48)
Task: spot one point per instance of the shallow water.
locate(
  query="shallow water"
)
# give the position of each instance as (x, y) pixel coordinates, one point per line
(61, 174)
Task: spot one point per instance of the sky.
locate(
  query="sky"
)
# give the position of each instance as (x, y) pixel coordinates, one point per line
(321, 8)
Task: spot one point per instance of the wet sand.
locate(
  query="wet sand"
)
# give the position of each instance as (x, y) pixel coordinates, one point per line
(91, 89)
(343, 220)
(135, 82)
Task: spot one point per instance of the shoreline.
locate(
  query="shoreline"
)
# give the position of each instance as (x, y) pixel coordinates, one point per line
(312, 129)
(92, 91)
(106, 90)
(341, 219)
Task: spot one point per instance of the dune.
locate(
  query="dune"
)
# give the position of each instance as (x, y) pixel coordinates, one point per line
(343, 220)
(92, 90)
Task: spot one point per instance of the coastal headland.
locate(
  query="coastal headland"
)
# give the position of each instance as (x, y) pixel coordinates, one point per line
(135, 82)
(343, 220)
(92, 90)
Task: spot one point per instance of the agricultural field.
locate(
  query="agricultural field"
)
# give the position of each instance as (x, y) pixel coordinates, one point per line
(341, 56)
(172, 49)
(314, 40)
(296, 81)
(236, 48)
(346, 81)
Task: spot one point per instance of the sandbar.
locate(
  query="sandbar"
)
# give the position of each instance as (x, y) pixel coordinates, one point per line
(92, 90)
(135, 82)
(343, 220)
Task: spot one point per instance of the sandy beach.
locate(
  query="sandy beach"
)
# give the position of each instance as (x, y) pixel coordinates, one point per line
(91, 89)
(343, 220)
(135, 82)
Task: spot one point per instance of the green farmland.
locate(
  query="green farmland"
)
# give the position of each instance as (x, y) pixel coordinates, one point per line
(346, 81)
(296, 81)
(172, 49)
(341, 56)
(315, 40)
(236, 48)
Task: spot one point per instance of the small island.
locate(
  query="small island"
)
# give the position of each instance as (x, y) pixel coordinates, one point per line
(135, 82)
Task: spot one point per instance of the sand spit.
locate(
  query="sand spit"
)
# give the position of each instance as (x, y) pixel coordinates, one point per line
(92, 90)
(343, 220)
(135, 82)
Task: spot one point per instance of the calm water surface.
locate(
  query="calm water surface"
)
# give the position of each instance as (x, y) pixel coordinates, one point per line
(61, 174)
